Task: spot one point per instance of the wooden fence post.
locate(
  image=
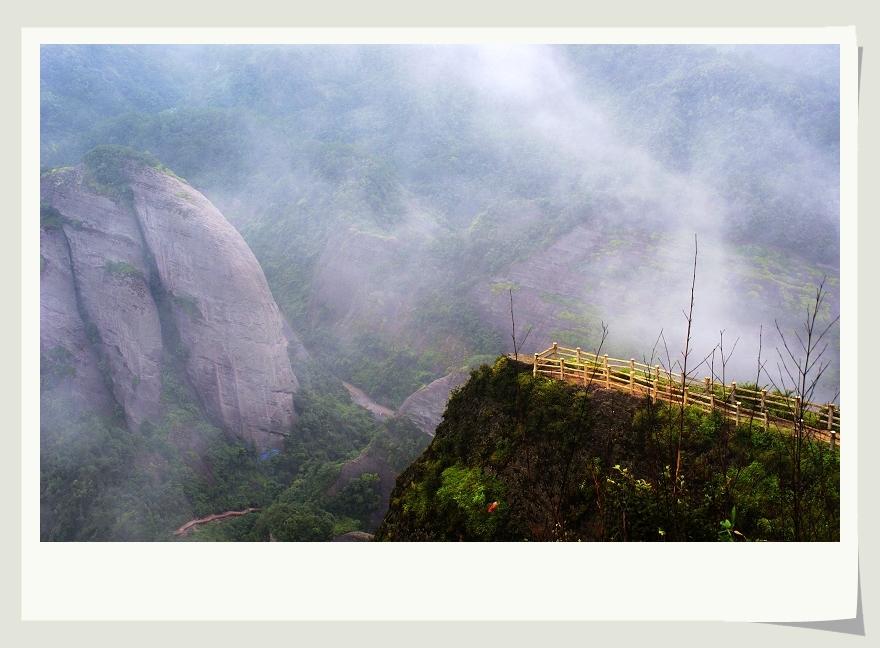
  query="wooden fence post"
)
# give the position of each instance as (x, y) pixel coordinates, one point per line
(733, 390)
(579, 355)
(607, 371)
(712, 400)
(656, 382)
(562, 369)
(632, 375)
(737, 411)
(535, 367)
(766, 421)
(833, 439)
(830, 416)
(706, 381)
(555, 349)
(763, 400)
(684, 396)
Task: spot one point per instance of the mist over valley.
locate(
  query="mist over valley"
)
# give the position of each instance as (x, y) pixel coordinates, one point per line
(264, 269)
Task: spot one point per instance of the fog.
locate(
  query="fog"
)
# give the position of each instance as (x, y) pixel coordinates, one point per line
(536, 99)
(581, 171)
(395, 198)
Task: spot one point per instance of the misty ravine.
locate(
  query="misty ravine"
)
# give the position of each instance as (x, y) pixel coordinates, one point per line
(265, 270)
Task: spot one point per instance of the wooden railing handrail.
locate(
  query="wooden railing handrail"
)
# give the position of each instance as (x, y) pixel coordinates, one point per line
(736, 401)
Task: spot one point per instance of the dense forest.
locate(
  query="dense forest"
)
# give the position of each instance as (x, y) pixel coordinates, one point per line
(395, 198)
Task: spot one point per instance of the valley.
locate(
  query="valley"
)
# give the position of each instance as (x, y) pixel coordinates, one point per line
(265, 270)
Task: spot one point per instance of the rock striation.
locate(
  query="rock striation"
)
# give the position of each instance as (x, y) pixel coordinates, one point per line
(139, 267)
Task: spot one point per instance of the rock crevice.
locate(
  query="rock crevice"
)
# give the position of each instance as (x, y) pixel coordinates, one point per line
(155, 270)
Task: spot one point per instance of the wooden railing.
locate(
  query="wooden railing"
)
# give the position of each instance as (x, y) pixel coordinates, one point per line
(737, 403)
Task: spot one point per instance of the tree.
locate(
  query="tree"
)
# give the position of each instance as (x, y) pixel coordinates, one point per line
(800, 368)
(296, 523)
(516, 347)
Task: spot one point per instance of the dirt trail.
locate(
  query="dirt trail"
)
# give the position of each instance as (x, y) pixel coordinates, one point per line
(360, 398)
(192, 524)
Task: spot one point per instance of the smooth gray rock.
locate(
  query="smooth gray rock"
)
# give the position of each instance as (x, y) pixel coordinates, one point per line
(225, 314)
(111, 280)
(70, 369)
(150, 264)
(426, 406)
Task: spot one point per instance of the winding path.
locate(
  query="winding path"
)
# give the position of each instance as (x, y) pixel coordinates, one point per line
(192, 524)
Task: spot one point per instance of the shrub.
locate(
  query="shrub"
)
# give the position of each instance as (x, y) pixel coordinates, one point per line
(296, 523)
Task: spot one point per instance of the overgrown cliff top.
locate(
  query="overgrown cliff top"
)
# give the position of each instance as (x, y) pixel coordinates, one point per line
(519, 457)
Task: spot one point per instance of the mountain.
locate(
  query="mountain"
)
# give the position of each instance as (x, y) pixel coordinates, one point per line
(165, 371)
(519, 457)
(168, 390)
(381, 205)
(154, 264)
(392, 194)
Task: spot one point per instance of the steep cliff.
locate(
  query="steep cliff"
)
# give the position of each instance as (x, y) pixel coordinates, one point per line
(137, 267)
(519, 457)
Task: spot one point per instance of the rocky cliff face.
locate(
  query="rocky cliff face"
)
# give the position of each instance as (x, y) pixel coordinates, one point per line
(426, 406)
(139, 266)
(69, 363)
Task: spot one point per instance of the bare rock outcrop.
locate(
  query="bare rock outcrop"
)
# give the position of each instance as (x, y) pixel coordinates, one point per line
(69, 363)
(224, 312)
(144, 262)
(426, 406)
(110, 281)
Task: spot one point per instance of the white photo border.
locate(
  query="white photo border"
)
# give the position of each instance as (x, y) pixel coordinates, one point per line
(783, 582)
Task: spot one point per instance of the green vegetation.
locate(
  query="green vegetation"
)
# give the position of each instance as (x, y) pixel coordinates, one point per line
(564, 464)
(101, 482)
(108, 166)
(463, 499)
(122, 269)
(188, 304)
(291, 523)
(107, 169)
(55, 365)
(298, 149)
(388, 372)
(50, 218)
(357, 500)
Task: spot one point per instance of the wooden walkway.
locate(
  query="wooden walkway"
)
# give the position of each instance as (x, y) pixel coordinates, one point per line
(737, 403)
